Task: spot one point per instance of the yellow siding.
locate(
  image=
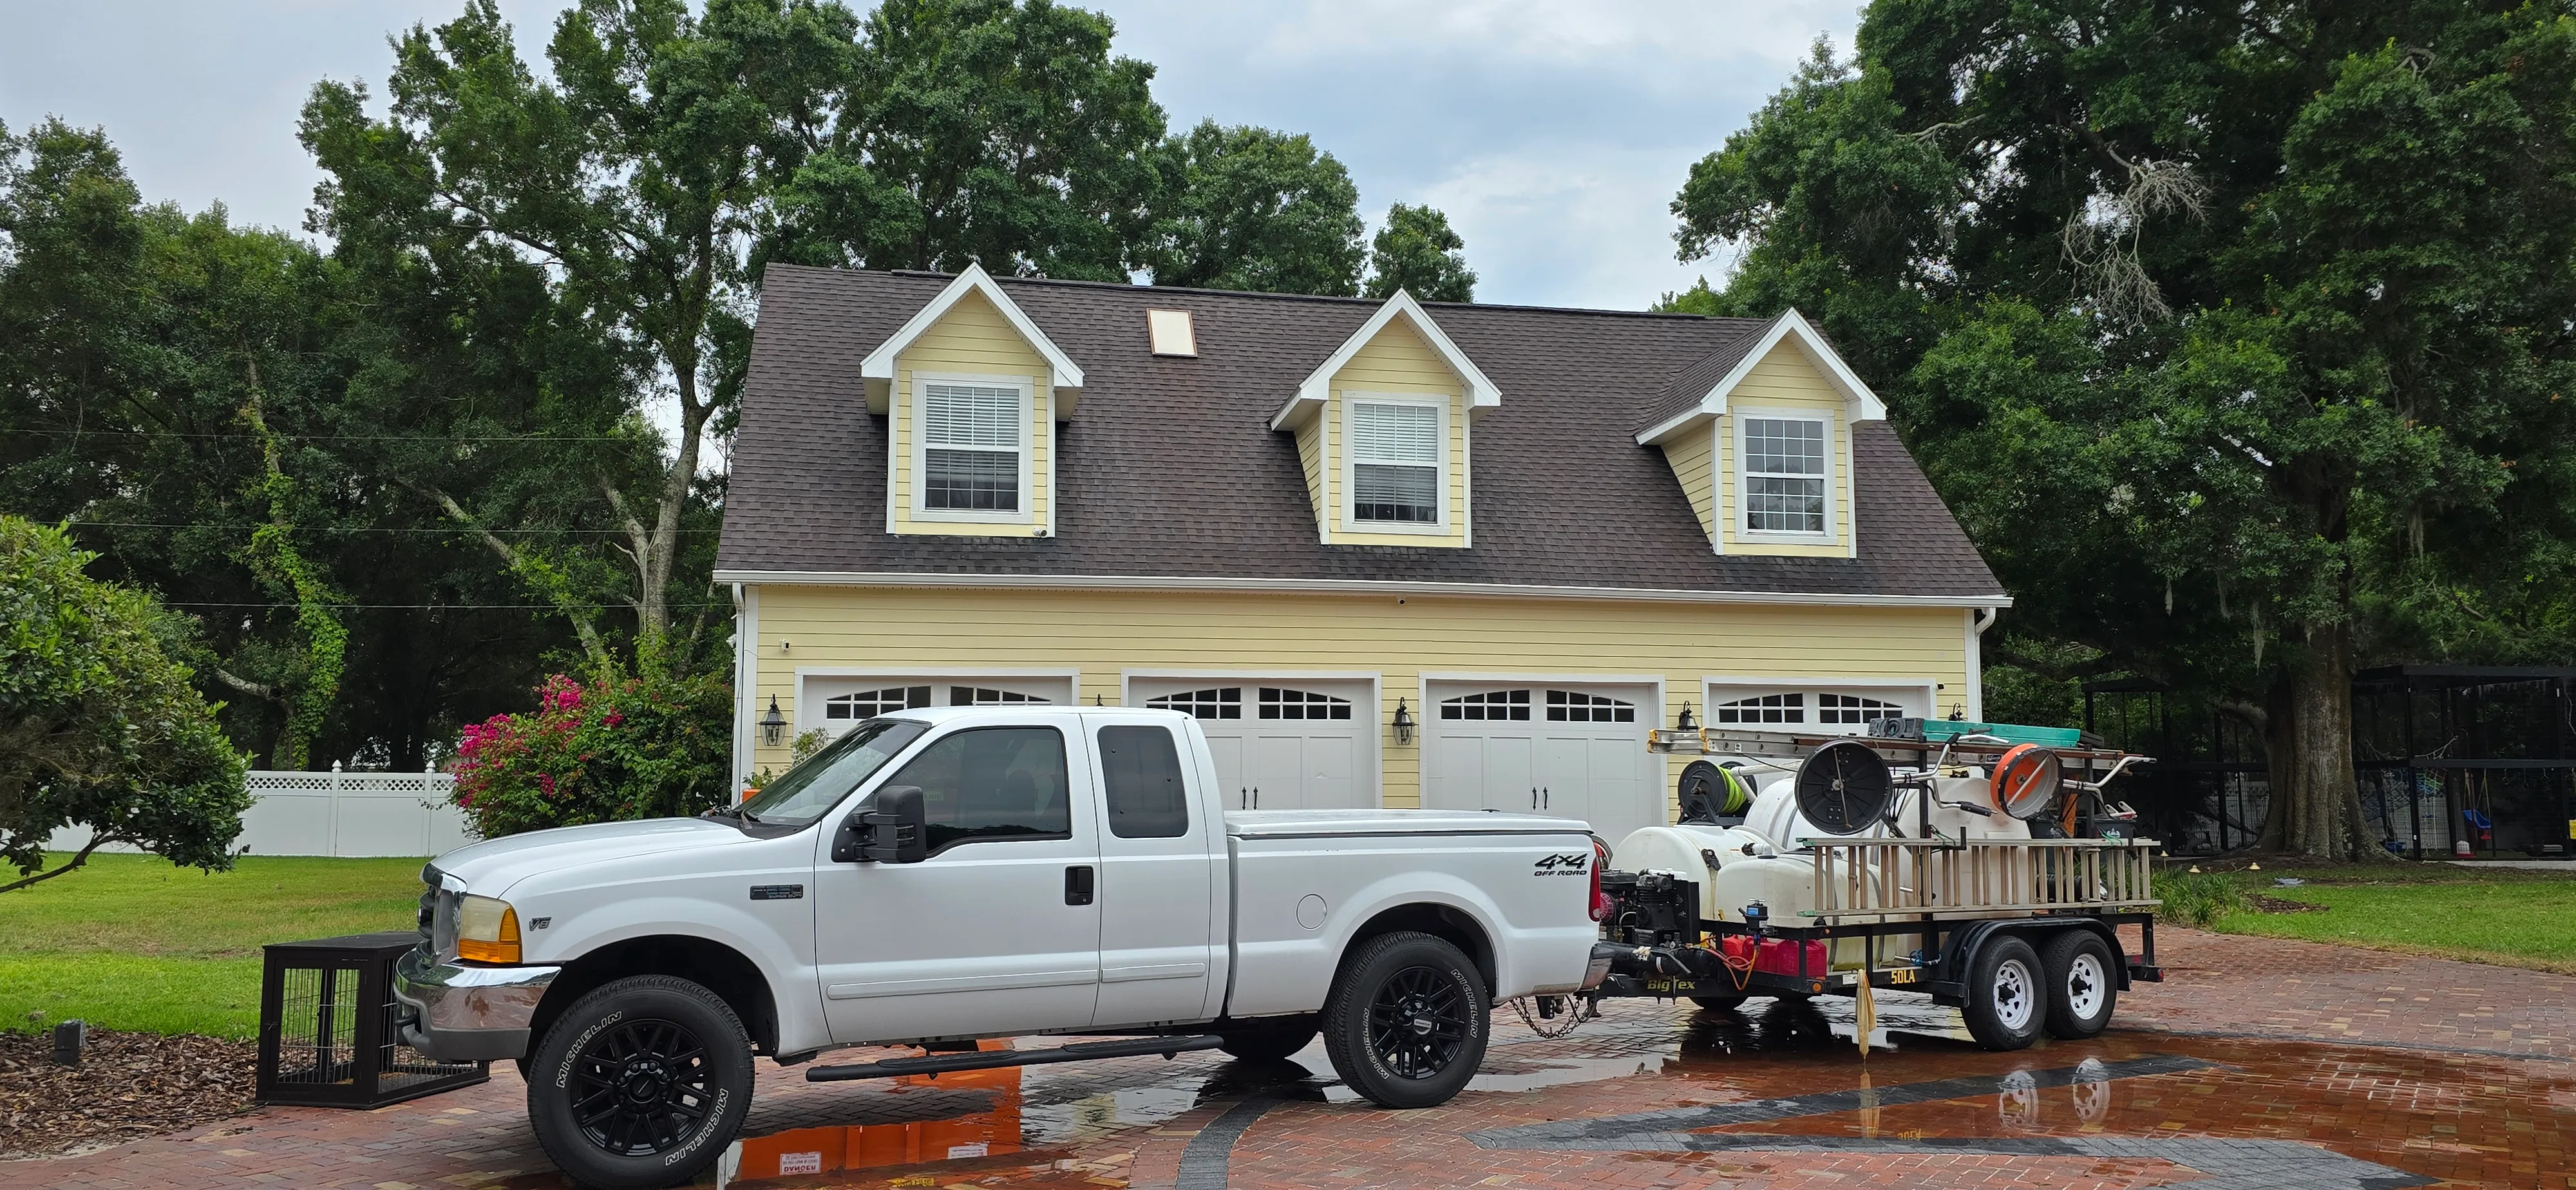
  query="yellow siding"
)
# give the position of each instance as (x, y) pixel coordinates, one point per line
(1310, 455)
(1399, 361)
(1692, 454)
(973, 338)
(1785, 379)
(1101, 633)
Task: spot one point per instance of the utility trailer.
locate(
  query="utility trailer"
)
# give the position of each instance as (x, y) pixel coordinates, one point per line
(1987, 871)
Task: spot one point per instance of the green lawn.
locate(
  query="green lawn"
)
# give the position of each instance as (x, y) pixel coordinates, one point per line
(131, 942)
(2510, 917)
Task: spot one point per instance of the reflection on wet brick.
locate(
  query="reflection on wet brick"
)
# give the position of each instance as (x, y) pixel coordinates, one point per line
(2266, 1064)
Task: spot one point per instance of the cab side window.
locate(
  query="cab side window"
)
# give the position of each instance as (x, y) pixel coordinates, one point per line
(993, 784)
(1141, 770)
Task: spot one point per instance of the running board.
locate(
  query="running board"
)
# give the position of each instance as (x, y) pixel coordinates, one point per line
(1081, 1051)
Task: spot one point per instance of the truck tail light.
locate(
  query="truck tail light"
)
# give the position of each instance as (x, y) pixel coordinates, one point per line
(1600, 900)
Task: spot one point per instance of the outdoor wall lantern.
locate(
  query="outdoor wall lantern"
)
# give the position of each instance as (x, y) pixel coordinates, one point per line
(1686, 722)
(1403, 723)
(773, 726)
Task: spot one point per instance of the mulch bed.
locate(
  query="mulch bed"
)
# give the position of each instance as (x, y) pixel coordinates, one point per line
(127, 1086)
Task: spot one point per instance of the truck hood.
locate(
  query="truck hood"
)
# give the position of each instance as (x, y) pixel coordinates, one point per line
(490, 867)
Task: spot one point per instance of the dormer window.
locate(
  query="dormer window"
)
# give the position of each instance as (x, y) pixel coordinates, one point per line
(974, 449)
(1396, 464)
(1785, 480)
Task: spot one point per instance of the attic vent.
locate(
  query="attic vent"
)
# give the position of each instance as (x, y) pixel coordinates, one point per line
(1172, 333)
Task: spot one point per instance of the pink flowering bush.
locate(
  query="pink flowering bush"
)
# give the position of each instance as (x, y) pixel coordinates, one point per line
(620, 747)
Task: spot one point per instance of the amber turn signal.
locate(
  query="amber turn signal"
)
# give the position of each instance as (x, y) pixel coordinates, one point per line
(487, 931)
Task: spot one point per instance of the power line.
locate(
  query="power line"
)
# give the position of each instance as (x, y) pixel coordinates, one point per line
(354, 528)
(333, 437)
(440, 606)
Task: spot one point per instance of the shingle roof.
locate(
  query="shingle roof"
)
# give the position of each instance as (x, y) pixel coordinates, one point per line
(1169, 469)
(1690, 385)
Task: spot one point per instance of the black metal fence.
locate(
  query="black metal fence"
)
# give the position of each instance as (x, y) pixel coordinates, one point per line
(326, 1027)
(2443, 755)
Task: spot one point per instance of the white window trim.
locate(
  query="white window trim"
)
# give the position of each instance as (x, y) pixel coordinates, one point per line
(920, 435)
(1744, 477)
(1351, 522)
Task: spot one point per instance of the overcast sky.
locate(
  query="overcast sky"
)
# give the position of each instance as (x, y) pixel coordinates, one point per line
(1553, 133)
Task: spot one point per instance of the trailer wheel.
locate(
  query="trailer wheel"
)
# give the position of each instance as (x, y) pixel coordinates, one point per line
(1718, 1003)
(641, 1083)
(2007, 995)
(1406, 1023)
(2081, 989)
(1269, 1040)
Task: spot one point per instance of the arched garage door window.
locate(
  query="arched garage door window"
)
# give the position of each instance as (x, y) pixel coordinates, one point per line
(1804, 708)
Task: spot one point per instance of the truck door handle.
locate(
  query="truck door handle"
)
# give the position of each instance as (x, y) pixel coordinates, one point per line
(1533, 797)
(1546, 798)
(1256, 797)
(1077, 885)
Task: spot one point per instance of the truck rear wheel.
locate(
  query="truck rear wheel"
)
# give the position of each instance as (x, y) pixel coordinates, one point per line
(1406, 1023)
(2007, 994)
(641, 1083)
(1269, 1040)
(2081, 988)
(1716, 1003)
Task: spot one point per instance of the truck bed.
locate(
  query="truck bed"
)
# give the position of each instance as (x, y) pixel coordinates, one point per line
(1305, 881)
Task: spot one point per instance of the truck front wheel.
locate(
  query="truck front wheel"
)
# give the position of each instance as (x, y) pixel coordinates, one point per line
(641, 1083)
(1406, 1023)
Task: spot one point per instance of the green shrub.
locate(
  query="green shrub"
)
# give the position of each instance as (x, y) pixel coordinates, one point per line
(622, 747)
(98, 726)
(2198, 898)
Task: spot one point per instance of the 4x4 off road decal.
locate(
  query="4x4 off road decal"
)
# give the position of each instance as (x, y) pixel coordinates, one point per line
(1572, 863)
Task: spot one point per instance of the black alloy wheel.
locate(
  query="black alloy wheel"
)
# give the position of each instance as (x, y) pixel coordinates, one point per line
(641, 1087)
(1417, 1023)
(1407, 1020)
(641, 1083)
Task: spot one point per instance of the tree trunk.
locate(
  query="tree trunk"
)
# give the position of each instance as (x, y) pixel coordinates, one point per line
(2316, 802)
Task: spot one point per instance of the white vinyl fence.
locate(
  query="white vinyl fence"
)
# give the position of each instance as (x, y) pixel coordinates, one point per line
(337, 813)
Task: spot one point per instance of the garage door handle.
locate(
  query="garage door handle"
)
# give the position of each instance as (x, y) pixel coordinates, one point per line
(1077, 885)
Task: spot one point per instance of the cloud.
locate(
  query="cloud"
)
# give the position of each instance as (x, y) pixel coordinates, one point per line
(1554, 134)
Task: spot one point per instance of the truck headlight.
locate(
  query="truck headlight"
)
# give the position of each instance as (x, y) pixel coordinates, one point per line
(487, 930)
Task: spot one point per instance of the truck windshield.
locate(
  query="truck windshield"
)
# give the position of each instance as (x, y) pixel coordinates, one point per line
(804, 792)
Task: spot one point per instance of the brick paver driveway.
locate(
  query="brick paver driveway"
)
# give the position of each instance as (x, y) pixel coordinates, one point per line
(2260, 1064)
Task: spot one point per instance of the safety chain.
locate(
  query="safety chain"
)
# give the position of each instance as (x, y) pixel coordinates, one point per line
(1578, 1010)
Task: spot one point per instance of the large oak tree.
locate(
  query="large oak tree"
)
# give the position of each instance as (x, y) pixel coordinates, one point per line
(2238, 333)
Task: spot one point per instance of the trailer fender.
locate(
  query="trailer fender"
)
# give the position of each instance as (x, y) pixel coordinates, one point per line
(1961, 954)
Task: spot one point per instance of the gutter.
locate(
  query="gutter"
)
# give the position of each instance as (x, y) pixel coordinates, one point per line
(1988, 605)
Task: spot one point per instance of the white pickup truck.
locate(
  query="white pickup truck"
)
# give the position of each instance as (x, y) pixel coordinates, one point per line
(934, 877)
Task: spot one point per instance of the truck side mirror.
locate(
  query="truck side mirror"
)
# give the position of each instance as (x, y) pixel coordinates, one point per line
(893, 830)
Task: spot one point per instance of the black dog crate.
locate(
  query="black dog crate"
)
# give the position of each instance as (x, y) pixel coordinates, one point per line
(326, 1027)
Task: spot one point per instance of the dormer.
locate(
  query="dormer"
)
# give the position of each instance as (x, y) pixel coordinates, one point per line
(1382, 430)
(971, 391)
(1760, 437)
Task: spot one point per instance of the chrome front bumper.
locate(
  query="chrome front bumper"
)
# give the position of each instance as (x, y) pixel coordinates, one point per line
(455, 1013)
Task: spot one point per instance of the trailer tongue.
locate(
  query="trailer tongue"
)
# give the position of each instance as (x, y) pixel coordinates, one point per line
(1986, 868)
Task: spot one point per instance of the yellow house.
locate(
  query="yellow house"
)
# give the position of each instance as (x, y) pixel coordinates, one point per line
(1389, 553)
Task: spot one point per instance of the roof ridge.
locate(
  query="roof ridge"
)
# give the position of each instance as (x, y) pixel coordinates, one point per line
(1265, 295)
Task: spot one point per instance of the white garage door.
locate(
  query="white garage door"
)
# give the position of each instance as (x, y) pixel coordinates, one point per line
(836, 704)
(1279, 744)
(1576, 751)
